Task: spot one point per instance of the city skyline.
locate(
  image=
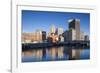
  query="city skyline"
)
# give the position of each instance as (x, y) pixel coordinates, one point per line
(34, 20)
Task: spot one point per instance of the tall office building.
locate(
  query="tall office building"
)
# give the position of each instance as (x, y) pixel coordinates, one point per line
(82, 37)
(86, 38)
(76, 53)
(43, 35)
(60, 31)
(75, 24)
(66, 35)
(72, 34)
(40, 35)
(52, 29)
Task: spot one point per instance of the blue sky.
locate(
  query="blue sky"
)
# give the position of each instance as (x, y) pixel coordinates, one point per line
(34, 20)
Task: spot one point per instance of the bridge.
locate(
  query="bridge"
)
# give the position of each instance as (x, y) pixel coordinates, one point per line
(27, 46)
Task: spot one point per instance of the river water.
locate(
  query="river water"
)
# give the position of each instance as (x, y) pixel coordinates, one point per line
(55, 54)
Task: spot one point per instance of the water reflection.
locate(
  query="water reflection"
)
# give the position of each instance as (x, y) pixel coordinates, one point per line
(55, 53)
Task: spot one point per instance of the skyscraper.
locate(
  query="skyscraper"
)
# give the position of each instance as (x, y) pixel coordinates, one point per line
(82, 37)
(60, 31)
(86, 38)
(43, 35)
(66, 35)
(52, 29)
(72, 34)
(38, 35)
(75, 24)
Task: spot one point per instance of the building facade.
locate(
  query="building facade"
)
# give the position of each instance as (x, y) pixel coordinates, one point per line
(44, 36)
(75, 24)
(38, 36)
(72, 34)
(69, 35)
(86, 38)
(82, 37)
(60, 31)
(52, 29)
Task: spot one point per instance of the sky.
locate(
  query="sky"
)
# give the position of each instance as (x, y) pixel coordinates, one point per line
(34, 20)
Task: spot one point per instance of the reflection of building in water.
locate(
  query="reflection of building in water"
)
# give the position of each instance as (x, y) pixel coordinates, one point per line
(76, 53)
(53, 53)
(38, 54)
(73, 53)
(27, 53)
(60, 52)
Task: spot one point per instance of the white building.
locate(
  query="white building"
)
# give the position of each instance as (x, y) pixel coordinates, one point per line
(60, 31)
(82, 37)
(53, 29)
(72, 34)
